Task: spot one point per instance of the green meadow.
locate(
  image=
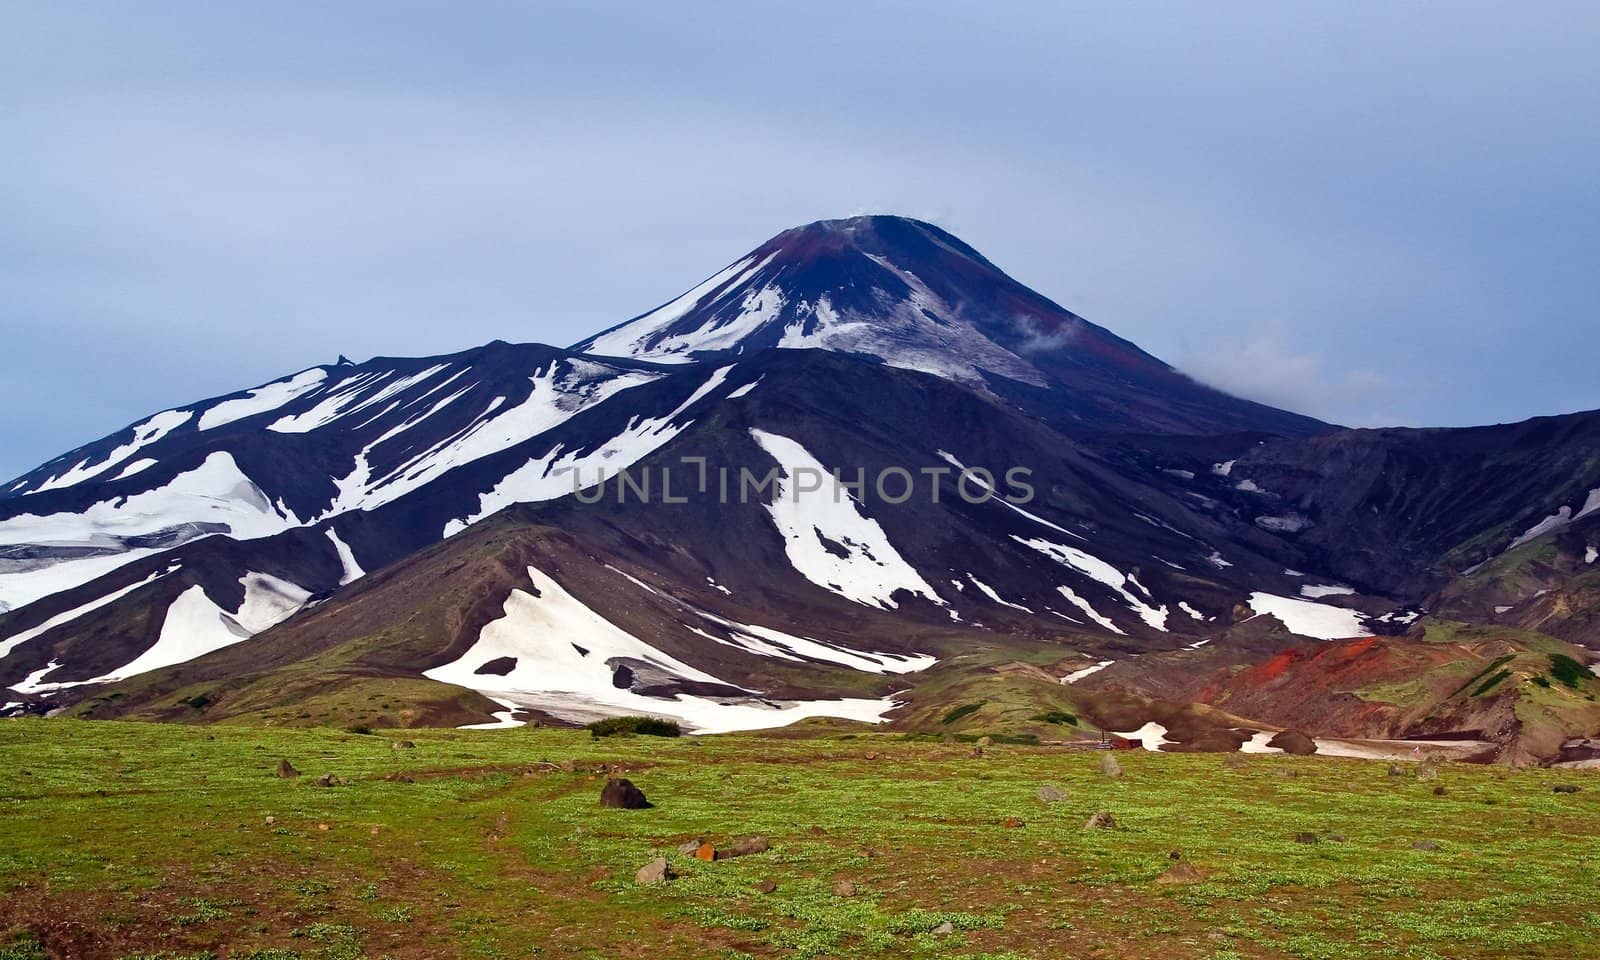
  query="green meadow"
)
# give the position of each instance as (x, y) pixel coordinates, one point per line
(135, 840)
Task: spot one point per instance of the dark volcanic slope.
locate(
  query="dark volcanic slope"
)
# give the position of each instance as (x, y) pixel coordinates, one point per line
(1404, 510)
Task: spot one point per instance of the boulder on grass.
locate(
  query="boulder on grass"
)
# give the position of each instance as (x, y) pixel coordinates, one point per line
(619, 793)
(749, 846)
(1109, 765)
(1102, 820)
(1294, 742)
(656, 871)
(287, 770)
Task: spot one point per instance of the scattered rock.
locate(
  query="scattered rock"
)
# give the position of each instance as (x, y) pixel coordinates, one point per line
(271, 821)
(844, 888)
(400, 778)
(1395, 770)
(688, 848)
(1429, 845)
(1174, 854)
(619, 793)
(1306, 838)
(1440, 791)
(706, 851)
(984, 741)
(747, 847)
(1181, 872)
(1565, 788)
(766, 886)
(1012, 823)
(871, 756)
(656, 871)
(1294, 742)
(1052, 794)
(323, 827)
(403, 745)
(1428, 769)
(945, 929)
(1109, 765)
(329, 780)
(1336, 838)
(1102, 820)
(287, 770)
(1235, 761)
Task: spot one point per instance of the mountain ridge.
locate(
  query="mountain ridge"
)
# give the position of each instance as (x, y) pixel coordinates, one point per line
(1167, 517)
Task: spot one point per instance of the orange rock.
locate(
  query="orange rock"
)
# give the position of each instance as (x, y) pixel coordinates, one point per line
(706, 851)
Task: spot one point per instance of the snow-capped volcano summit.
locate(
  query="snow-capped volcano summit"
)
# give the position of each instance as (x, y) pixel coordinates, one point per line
(913, 296)
(898, 289)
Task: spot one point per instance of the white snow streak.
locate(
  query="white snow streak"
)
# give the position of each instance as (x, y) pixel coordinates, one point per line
(1090, 670)
(1102, 572)
(144, 434)
(351, 570)
(1316, 590)
(67, 616)
(1088, 610)
(988, 591)
(262, 399)
(559, 472)
(871, 570)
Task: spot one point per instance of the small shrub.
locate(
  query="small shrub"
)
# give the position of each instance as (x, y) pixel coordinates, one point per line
(631, 726)
(962, 711)
(359, 728)
(1056, 716)
(1566, 670)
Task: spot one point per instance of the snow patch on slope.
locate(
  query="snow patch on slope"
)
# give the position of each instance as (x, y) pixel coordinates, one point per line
(1102, 572)
(1088, 610)
(351, 570)
(819, 525)
(67, 616)
(558, 472)
(214, 497)
(262, 399)
(989, 592)
(543, 632)
(1311, 619)
(769, 642)
(144, 434)
(950, 458)
(1561, 518)
(1088, 671)
(196, 626)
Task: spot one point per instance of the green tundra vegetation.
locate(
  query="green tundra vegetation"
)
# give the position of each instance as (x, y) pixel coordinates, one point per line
(137, 840)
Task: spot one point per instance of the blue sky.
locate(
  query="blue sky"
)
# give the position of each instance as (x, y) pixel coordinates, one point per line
(1374, 213)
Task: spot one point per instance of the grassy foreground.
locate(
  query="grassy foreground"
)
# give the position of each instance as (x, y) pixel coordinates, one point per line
(123, 840)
